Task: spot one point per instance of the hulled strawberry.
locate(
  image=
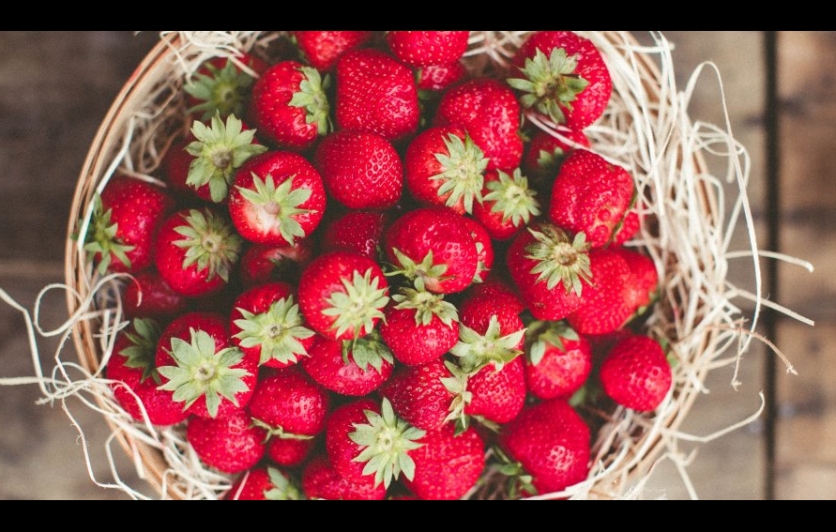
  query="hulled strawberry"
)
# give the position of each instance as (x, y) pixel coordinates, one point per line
(321, 481)
(148, 296)
(262, 263)
(288, 404)
(277, 198)
(125, 221)
(360, 170)
(424, 48)
(433, 248)
(636, 374)
(423, 395)
(490, 113)
(550, 269)
(606, 302)
(342, 295)
(550, 444)
(266, 324)
(289, 105)
(591, 195)
(135, 381)
(447, 465)
(230, 444)
(197, 250)
(376, 94)
(558, 360)
(563, 77)
(508, 204)
(264, 483)
(358, 231)
(419, 326)
(443, 166)
(223, 85)
(321, 49)
(350, 368)
(209, 376)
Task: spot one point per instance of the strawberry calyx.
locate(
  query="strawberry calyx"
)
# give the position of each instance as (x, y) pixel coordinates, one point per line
(542, 334)
(418, 272)
(520, 482)
(462, 174)
(550, 82)
(512, 197)
(282, 489)
(279, 205)
(219, 149)
(386, 441)
(475, 351)
(457, 385)
(312, 97)
(277, 331)
(143, 338)
(359, 306)
(101, 238)
(210, 242)
(426, 306)
(202, 372)
(279, 432)
(370, 350)
(558, 258)
(220, 90)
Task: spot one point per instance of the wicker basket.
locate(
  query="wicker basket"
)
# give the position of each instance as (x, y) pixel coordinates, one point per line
(655, 140)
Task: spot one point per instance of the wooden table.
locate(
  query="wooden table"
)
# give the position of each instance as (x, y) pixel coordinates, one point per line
(55, 87)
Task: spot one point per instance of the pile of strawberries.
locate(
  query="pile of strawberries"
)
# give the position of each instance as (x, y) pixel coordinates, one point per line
(370, 276)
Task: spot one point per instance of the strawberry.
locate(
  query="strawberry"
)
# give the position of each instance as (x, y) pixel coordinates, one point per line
(545, 153)
(342, 295)
(223, 85)
(290, 452)
(643, 286)
(125, 221)
(264, 483)
(550, 443)
(419, 326)
(339, 447)
(321, 481)
(508, 204)
(134, 378)
(432, 247)
(288, 404)
(606, 303)
(321, 49)
(261, 263)
(636, 373)
(592, 196)
(549, 269)
(198, 362)
(443, 166)
(421, 394)
(447, 465)
(204, 164)
(196, 251)
(148, 296)
(230, 444)
(496, 392)
(360, 170)
(490, 113)
(266, 324)
(289, 105)
(424, 48)
(358, 231)
(277, 198)
(484, 249)
(562, 76)
(437, 78)
(376, 94)
(558, 360)
(352, 368)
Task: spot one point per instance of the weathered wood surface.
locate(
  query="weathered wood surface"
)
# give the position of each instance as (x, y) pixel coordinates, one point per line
(55, 87)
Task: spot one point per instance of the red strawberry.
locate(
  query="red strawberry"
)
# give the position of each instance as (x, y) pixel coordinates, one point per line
(289, 106)
(223, 85)
(376, 94)
(321, 481)
(125, 221)
(196, 251)
(289, 405)
(488, 110)
(636, 373)
(266, 324)
(290, 452)
(198, 362)
(135, 379)
(425, 48)
(352, 368)
(360, 170)
(419, 326)
(447, 465)
(484, 249)
(508, 204)
(563, 77)
(432, 246)
(230, 444)
(420, 394)
(544, 155)
(436, 78)
(549, 269)
(321, 49)
(605, 304)
(497, 392)
(358, 231)
(277, 199)
(264, 483)
(148, 296)
(643, 286)
(340, 448)
(443, 166)
(592, 196)
(558, 360)
(261, 263)
(342, 295)
(550, 442)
